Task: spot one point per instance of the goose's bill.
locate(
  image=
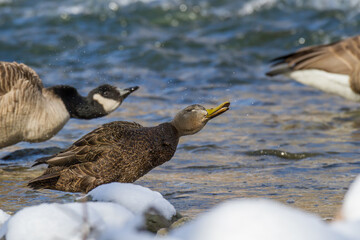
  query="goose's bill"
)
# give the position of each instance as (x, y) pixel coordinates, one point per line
(214, 112)
(126, 92)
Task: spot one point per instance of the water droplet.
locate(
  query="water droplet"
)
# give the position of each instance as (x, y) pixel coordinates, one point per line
(174, 23)
(113, 6)
(192, 16)
(197, 9)
(64, 16)
(157, 44)
(183, 7)
(124, 33)
(301, 40)
(123, 23)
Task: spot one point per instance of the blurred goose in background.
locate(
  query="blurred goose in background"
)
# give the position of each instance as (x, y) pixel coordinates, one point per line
(29, 112)
(332, 68)
(120, 151)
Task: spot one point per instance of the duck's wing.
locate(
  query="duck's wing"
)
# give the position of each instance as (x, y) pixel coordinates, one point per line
(79, 177)
(341, 57)
(90, 146)
(18, 76)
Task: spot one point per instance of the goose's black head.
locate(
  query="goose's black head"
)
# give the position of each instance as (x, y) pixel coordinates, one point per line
(110, 97)
(99, 102)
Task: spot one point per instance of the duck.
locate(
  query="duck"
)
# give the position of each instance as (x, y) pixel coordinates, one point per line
(31, 113)
(120, 151)
(333, 68)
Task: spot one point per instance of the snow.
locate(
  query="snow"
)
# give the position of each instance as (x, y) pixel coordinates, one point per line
(122, 219)
(349, 222)
(136, 198)
(3, 217)
(252, 219)
(66, 221)
(350, 230)
(3, 224)
(351, 206)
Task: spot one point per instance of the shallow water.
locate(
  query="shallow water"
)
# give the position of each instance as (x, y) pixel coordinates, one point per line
(280, 140)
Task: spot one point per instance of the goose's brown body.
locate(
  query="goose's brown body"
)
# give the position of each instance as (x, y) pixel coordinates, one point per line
(118, 151)
(29, 112)
(342, 57)
(332, 68)
(24, 103)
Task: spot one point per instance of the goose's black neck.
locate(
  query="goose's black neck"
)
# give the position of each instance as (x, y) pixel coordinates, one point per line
(77, 105)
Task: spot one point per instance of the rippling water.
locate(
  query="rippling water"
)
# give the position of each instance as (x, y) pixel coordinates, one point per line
(280, 140)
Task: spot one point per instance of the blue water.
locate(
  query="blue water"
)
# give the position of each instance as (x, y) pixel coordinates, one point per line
(185, 52)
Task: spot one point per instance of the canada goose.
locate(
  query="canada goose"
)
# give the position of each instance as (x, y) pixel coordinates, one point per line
(333, 68)
(31, 113)
(120, 151)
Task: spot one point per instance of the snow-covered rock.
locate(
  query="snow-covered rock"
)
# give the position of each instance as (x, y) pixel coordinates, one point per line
(349, 222)
(66, 221)
(136, 198)
(256, 219)
(350, 210)
(3, 222)
(350, 230)
(3, 217)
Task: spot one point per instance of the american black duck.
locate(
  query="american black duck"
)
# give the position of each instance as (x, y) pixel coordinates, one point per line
(120, 151)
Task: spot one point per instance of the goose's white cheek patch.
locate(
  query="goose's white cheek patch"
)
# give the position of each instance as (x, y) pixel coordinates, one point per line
(108, 104)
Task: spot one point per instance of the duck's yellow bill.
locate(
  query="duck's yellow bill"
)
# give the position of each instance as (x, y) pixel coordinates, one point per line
(214, 112)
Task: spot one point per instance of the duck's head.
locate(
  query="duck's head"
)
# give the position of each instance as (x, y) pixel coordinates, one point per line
(193, 118)
(110, 97)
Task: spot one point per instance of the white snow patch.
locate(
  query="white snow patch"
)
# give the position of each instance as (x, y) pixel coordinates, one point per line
(65, 221)
(136, 198)
(3, 217)
(350, 210)
(254, 219)
(349, 224)
(350, 230)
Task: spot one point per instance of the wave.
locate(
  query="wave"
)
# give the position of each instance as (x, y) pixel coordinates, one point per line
(254, 6)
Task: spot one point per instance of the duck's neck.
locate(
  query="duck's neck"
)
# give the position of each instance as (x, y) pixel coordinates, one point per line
(77, 105)
(170, 135)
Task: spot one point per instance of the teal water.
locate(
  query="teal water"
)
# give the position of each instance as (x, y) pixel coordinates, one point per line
(280, 140)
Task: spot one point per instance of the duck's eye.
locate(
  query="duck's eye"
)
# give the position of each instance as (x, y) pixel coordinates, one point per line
(106, 93)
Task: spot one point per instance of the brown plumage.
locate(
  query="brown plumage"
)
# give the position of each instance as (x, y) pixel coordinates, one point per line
(339, 60)
(340, 57)
(29, 112)
(120, 151)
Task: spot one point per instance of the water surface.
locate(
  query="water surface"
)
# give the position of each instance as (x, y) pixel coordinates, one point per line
(280, 140)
